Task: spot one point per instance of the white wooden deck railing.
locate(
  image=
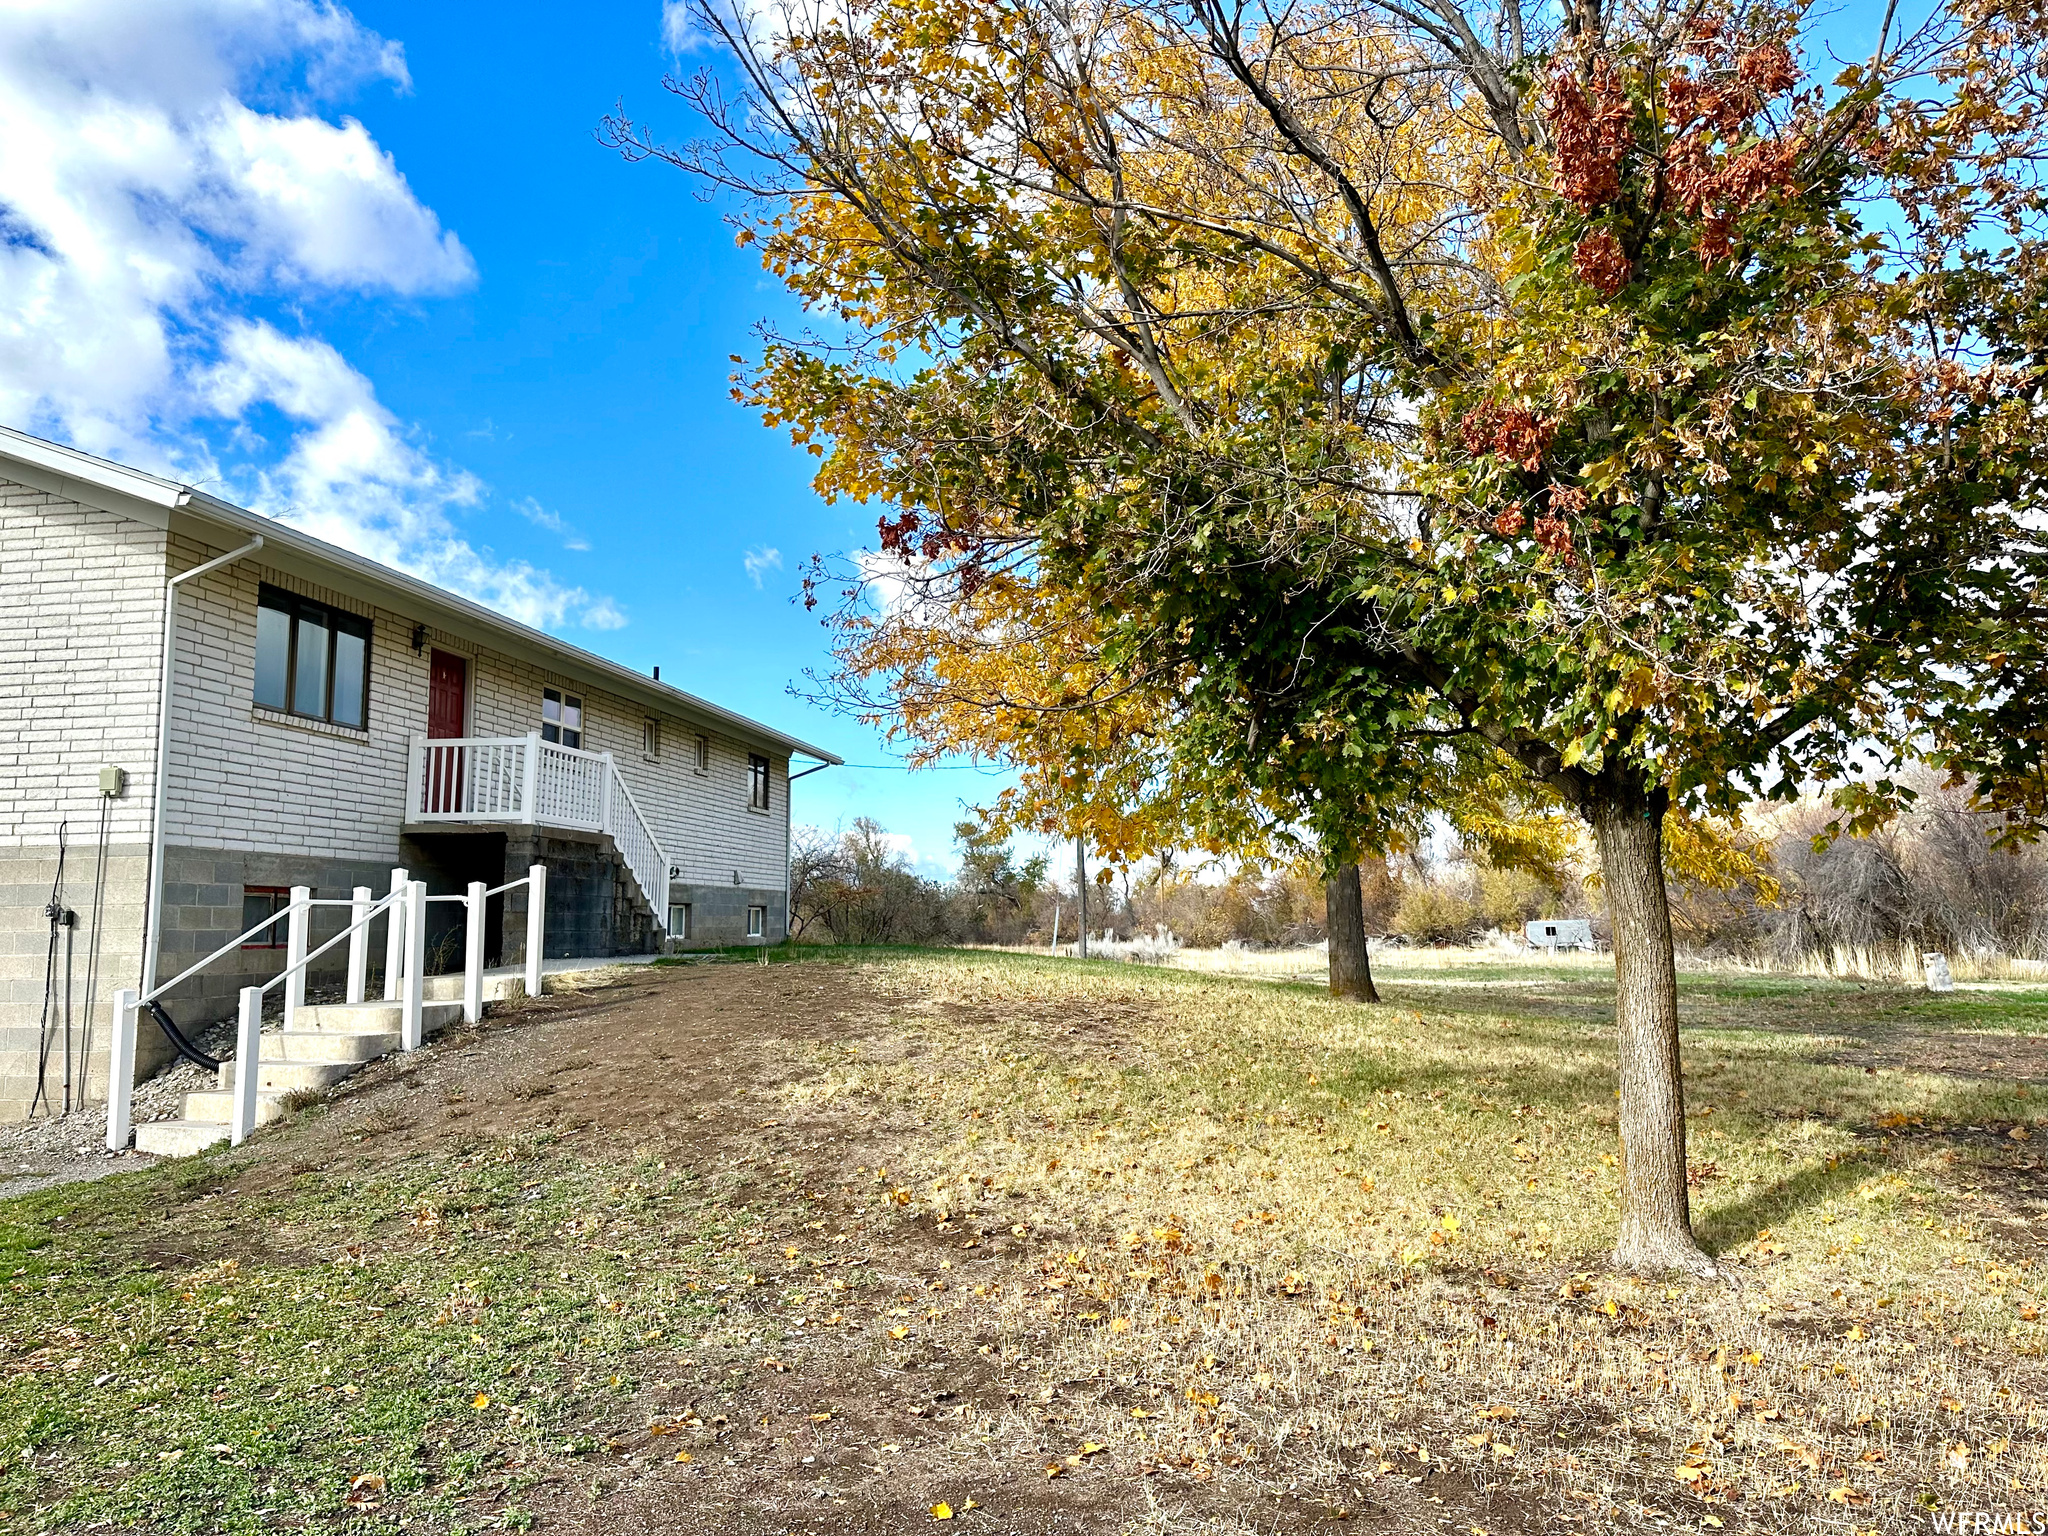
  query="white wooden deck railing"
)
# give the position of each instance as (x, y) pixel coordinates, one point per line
(522, 779)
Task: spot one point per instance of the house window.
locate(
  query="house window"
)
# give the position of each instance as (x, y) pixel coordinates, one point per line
(311, 659)
(703, 754)
(561, 717)
(259, 902)
(757, 782)
(650, 737)
(679, 920)
(757, 922)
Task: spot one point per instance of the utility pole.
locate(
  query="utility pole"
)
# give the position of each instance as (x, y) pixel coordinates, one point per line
(1081, 885)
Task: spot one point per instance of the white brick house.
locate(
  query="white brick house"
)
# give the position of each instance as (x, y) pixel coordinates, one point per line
(327, 719)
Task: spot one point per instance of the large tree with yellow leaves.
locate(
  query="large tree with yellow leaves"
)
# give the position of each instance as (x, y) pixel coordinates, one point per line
(1376, 396)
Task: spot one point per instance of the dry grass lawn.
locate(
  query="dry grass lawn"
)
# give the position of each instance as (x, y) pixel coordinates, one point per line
(1331, 1247)
(1063, 1248)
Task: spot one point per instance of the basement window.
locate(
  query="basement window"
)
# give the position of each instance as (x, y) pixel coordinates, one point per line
(259, 902)
(757, 922)
(679, 920)
(311, 659)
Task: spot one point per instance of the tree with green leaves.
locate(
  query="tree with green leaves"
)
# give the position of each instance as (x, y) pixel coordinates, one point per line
(1418, 396)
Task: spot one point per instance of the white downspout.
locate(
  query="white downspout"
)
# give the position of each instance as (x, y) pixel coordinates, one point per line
(153, 923)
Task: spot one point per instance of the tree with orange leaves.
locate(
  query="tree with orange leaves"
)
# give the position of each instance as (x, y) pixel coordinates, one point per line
(1403, 393)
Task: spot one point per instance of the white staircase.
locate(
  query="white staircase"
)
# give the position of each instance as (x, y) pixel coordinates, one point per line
(327, 1043)
(524, 780)
(321, 1044)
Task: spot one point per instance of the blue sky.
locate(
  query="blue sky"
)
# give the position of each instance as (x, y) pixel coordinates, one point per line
(372, 270)
(588, 369)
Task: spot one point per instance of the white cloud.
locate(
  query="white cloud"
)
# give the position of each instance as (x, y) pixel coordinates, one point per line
(888, 578)
(167, 172)
(678, 26)
(541, 517)
(602, 614)
(933, 866)
(352, 477)
(320, 205)
(903, 845)
(760, 561)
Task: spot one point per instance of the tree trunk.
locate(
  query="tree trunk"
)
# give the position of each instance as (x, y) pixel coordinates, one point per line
(1081, 894)
(1344, 913)
(1656, 1219)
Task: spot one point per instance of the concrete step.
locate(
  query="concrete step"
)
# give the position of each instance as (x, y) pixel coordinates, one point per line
(216, 1106)
(178, 1138)
(497, 989)
(285, 1076)
(328, 1045)
(374, 1017)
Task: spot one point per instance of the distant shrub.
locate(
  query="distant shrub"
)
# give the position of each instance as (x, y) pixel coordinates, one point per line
(1509, 898)
(1435, 913)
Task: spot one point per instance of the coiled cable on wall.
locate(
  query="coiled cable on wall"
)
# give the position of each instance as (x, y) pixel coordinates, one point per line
(60, 918)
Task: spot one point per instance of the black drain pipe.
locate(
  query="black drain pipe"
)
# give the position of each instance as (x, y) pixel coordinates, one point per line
(176, 1036)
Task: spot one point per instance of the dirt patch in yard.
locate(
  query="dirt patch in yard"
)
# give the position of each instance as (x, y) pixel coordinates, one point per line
(882, 1402)
(1990, 1058)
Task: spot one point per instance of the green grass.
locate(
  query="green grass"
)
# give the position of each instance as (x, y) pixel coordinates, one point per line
(787, 953)
(425, 1331)
(1731, 998)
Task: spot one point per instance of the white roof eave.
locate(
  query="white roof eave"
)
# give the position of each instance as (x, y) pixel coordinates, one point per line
(79, 474)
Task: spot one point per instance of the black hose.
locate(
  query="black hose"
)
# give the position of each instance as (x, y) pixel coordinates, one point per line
(176, 1036)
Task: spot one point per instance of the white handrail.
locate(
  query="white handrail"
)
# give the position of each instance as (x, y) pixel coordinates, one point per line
(295, 953)
(297, 971)
(410, 900)
(144, 999)
(359, 946)
(412, 1015)
(248, 1065)
(536, 925)
(473, 954)
(121, 1071)
(394, 936)
(129, 1001)
(407, 906)
(536, 882)
(644, 862)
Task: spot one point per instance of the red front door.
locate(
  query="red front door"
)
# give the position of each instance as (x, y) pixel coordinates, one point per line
(447, 715)
(448, 696)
